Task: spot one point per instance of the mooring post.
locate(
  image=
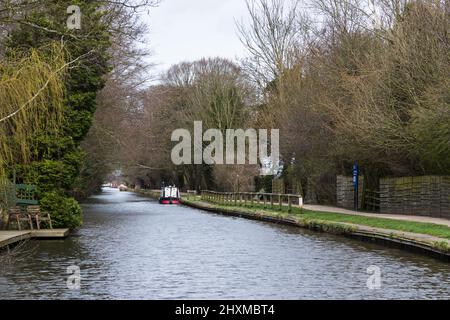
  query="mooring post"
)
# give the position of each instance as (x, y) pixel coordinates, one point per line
(300, 201)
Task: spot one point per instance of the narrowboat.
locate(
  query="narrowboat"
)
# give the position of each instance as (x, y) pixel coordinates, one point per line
(169, 195)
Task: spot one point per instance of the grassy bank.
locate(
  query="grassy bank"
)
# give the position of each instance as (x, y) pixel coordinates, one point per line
(436, 230)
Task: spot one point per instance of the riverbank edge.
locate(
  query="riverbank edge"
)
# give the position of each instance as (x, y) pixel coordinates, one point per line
(388, 237)
(12, 237)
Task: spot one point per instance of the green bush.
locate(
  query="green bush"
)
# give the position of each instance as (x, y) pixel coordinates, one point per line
(48, 175)
(65, 211)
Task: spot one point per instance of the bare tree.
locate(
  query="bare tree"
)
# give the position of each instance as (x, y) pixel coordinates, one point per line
(272, 38)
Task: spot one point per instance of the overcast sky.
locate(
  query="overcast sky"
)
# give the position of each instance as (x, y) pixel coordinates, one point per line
(185, 30)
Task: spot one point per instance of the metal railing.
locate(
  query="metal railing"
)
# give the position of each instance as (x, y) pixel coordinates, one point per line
(270, 200)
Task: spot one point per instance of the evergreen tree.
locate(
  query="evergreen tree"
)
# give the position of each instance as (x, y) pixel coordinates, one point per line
(57, 156)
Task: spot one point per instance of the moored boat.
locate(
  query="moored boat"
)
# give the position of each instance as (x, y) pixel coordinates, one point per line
(169, 195)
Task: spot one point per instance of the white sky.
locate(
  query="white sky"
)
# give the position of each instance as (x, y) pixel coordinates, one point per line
(186, 30)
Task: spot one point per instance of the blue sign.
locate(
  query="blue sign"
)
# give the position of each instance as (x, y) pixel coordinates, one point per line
(355, 185)
(355, 175)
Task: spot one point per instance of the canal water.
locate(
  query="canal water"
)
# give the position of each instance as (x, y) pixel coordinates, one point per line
(130, 247)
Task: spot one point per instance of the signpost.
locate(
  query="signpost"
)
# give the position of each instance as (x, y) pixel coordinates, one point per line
(355, 185)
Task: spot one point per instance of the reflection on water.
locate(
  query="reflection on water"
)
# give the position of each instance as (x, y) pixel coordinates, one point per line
(131, 247)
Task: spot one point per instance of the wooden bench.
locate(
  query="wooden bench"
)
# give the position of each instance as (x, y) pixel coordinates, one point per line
(18, 215)
(26, 195)
(27, 208)
(35, 213)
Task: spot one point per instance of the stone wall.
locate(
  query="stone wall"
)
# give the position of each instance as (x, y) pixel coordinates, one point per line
(345, 191)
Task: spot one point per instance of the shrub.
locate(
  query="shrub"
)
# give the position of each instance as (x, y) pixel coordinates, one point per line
(49, 175)
(65, 211)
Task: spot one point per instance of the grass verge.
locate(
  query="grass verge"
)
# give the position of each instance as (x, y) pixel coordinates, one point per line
(436, 230)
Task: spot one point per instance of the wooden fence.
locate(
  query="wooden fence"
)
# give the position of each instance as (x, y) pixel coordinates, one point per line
(425, 195)
(270, 200)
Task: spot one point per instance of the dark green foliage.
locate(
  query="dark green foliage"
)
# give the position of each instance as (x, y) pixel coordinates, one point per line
(65, 211)
(48, 175)
(80, 122)
(58, 158)
(264, 183)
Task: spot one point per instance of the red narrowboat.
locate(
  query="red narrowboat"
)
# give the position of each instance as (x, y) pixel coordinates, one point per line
(169, 195)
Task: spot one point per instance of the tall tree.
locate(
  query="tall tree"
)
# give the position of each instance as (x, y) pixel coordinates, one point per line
(58, 158)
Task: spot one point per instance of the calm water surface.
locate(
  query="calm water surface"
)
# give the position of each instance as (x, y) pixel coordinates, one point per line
(131, 247)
